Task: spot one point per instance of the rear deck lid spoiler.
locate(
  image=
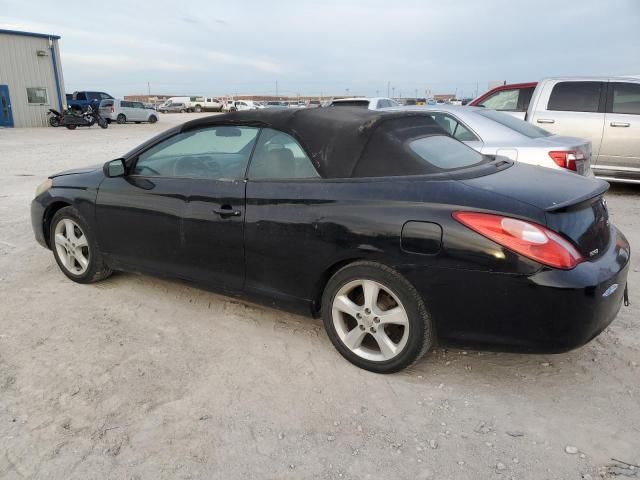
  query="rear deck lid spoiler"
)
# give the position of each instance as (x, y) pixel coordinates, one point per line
(600, 187)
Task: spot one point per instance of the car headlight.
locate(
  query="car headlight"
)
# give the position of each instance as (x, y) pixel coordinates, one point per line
(44, 186)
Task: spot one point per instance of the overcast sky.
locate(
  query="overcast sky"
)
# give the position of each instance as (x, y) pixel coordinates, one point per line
(329, 46)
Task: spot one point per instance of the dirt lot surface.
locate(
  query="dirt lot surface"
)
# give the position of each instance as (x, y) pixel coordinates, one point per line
(141, 378)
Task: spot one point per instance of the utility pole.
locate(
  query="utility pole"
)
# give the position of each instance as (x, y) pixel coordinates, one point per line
(347, 90)
(416, 97)
(148, 89)
(393, 92)
(388, 86)
(276, 88)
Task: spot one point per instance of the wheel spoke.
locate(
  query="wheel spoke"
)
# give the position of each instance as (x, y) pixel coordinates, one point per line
(68, 229)
(353, 339)
(71, 264)
(396, 316)
(371, 291)
(388, 349)
(345, 305)
(82, 260)
(60, 239)
(82, 241)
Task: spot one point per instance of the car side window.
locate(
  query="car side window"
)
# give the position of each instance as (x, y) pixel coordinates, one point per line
(503, 100)
(575, 96)
(453, 127)
(215, 153)
(463, 134)
(625, 98)
(280, 156)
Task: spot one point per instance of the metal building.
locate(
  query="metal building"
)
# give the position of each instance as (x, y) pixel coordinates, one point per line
(30, 78)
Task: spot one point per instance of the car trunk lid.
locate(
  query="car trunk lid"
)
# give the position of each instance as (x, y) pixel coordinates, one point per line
(574, 205)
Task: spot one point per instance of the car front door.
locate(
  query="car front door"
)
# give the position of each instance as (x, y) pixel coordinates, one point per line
(621, 138)
(174, 213)
(575, 109)
(215, 213)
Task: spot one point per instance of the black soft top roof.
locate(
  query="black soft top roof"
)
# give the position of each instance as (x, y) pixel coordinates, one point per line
(334, 138)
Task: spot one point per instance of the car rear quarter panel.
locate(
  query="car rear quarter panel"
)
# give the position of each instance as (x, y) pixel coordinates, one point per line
(296, 232)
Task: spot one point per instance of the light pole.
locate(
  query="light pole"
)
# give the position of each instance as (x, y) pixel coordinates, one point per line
(347, 91)
(393, 92)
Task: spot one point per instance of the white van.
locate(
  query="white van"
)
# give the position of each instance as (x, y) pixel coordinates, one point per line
(186, 101)
(123, 111)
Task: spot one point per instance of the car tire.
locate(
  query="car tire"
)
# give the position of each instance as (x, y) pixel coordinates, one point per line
(121, 118)
(198, 109)
(54, 121)
(364, 341)
(75, 249)
(182, 111)
(153, 119)
(71, 127)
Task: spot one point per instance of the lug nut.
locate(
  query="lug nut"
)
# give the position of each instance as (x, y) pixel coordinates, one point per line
(361, 327)
(367, 311)
(376, 319)
(358, 315)
(373, 330)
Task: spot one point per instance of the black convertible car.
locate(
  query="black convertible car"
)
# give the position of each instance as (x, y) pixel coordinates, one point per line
(398, 235)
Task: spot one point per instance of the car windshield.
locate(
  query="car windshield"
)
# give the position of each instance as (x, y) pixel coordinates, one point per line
(444, 152)
(520, 126)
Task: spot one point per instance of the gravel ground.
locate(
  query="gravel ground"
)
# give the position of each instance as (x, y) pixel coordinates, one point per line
(143, 378)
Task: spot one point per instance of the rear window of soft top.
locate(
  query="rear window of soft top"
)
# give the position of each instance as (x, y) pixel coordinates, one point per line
(414, 145)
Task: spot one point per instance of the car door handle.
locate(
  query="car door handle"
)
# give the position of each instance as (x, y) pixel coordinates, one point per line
(227, 211)
(619, 124)
(545, 120)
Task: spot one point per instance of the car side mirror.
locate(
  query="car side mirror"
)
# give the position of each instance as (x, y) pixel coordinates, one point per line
(114, 168)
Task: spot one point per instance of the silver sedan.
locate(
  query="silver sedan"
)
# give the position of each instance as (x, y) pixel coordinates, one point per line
(495, 133)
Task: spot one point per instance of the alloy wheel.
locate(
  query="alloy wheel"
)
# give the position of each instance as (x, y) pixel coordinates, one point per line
(72, 246)
(370, 320)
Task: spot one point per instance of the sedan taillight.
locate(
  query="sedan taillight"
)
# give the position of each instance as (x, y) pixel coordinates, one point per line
(567, 159)
(113, 110)
(528, 239)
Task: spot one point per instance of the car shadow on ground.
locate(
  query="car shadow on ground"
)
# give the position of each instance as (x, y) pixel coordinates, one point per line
(438, 365)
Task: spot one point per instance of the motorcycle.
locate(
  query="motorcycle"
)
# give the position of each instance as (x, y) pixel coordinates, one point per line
(55, 118)
(85, 119)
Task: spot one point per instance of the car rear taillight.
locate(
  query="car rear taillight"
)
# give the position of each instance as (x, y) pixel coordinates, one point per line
(567, 159)
(528, 239)
(113, 110)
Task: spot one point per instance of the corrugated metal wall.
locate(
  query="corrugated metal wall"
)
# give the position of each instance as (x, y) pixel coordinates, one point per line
(21, 67)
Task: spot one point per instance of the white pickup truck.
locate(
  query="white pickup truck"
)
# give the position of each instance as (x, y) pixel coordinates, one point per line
(604, 110)
(205, 104)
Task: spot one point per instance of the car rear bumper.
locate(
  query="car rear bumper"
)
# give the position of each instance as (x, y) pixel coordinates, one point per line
(108, 114)
(548, 312)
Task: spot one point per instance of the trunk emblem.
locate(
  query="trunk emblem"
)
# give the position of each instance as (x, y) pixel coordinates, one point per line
(610, 290)
(593, 252)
